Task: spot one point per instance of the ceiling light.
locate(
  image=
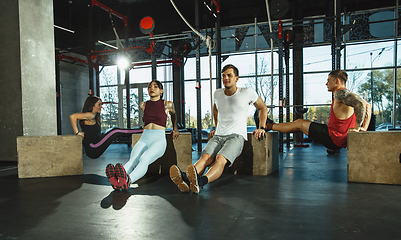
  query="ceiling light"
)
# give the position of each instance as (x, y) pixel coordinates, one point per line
(106, 44)
(122, 63)
(65, 29)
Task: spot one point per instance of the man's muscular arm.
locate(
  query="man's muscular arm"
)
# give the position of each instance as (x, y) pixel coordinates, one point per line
(215, 112)
(368, 115)
(355, 101)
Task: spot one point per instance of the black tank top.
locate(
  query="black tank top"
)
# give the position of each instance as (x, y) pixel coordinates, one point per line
(92, 133)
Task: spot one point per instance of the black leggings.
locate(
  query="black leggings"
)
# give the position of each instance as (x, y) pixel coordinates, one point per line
(95, 150)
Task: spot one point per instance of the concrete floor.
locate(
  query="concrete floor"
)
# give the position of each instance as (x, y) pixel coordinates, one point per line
(308, 198)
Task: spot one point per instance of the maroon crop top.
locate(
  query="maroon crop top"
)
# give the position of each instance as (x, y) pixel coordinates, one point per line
(155, 113)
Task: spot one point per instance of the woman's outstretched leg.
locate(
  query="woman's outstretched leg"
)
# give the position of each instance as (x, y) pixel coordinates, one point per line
(154, 152)
(95, 150)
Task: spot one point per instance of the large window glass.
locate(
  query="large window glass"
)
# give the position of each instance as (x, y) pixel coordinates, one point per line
(109, 114)
(364, 55)
(315, 90)
(190, 104)
(134, 108)
(379, 84)
(140, 75)
(167, 91)
(317, 58)
(398, 98)
(190, 68)
(206, 103)
(244, 62)
(398, 53)
(164, 72)
(108, 76)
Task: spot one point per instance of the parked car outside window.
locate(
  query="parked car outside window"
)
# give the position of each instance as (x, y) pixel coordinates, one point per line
(387, 126)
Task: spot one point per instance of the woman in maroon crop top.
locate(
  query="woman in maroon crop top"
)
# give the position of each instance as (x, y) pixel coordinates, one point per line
(152, 143)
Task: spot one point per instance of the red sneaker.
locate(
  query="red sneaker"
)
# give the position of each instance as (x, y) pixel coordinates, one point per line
(111, 175)
(123, 178)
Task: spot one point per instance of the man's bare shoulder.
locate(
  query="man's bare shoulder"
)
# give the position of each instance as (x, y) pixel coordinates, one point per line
(347, 97)
(341, 94)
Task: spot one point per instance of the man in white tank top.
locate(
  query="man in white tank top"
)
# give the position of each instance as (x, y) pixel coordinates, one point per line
(230, 111)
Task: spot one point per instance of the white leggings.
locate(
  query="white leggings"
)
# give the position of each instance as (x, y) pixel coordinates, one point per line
(150, 147)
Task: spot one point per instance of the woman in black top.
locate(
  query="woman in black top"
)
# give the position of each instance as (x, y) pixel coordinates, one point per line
(95, 143)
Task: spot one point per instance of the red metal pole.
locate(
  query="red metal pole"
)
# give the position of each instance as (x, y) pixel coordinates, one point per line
(109, 10)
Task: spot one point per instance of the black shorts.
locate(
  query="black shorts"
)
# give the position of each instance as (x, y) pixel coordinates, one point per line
(320, 133)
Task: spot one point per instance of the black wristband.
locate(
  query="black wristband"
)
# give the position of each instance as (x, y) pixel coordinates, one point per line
(263, 128)
(77, 133)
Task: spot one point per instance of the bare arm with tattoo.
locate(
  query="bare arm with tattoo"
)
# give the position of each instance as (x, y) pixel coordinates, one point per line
(355, 101)
(171, 111)
(368, 115)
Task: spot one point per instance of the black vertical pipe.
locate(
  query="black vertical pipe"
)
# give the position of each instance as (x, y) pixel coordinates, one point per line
(287, 87)
(297, 62)
(91, 45)
(154, 65)
(336, 37)
(395, 80)
(218, 51)
(58, 97)
(280, 89)
(338, 33)
(331, 13)
(97, 80)
(177, 82)
(127, 83)
(198, 80)
(91, 75)
(182, 94)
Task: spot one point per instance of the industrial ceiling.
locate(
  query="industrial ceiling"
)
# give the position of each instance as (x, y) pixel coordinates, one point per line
(93, 23)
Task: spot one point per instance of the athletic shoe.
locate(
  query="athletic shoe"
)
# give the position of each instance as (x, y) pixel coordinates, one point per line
(194, 179)
(179, 178)
(111, 175)
(123, 178)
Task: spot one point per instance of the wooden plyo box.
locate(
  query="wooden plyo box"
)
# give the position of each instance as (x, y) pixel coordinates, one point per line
(178, 152)
(49, 156)
(374, 157)
(257, 157)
